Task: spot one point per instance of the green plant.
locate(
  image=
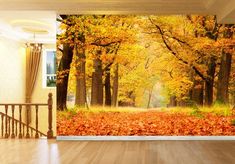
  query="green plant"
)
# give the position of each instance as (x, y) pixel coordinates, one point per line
(163, 109)
(72, 111)
(218, 109)
(196, 111)
(68, 113)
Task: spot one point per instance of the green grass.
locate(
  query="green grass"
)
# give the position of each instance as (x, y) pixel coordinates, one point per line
(221, 110)
(70, 112)
(216, 109)
(97, 109)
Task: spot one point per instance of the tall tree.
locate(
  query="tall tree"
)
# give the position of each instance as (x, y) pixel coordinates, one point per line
(80, 97)
(115, 86)
(97, 84)
(63, 75)
(191, 50)
(209, 82)
(74, 30)
(107, 85)
(63, 69)
(225, 68)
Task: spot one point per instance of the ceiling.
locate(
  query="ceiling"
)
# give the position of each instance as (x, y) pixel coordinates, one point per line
(29, 26)
(224, 9)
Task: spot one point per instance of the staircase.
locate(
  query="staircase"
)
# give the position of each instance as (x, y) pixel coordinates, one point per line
(11, 127)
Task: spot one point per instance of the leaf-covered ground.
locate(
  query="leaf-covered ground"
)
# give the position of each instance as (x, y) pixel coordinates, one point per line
(150, 123)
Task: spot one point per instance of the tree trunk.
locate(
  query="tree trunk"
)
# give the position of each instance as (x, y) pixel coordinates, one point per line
(150, 96)
(115, 87)
(224, 72)
(62, 83)
(97, 85)
(173, 101)
(209, 82)
(223, 79)
(80, 97)
(107, 88)
(197, 93)
(233, 99)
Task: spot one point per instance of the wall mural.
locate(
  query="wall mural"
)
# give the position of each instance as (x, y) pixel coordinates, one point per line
(124, 75)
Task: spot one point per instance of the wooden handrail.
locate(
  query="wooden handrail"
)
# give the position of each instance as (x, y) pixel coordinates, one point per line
(14, 121)
(24, 124)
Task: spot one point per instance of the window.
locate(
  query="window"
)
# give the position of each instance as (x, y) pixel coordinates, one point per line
(49, 68)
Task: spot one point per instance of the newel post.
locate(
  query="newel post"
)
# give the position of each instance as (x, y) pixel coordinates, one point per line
(50, 102)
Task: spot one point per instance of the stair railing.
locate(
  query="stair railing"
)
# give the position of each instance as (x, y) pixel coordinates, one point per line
(12, 127)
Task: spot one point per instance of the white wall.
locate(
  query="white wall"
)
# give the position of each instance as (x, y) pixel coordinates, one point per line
(12, 74)
(12, 71)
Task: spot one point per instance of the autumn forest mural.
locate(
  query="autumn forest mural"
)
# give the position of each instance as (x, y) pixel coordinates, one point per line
(124, 75)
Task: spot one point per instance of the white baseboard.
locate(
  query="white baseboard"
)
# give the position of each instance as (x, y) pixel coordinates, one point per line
(142, 138)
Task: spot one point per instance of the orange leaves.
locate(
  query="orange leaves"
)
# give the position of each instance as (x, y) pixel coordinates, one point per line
(107, 58)
(143, 123)
(61, 75)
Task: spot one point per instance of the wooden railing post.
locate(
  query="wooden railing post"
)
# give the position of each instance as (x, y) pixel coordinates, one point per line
(6, 110)
(2, 124)
(20, 123)
(9, 126)
(12, 121)
(27, 114)
(50, 102)
(36, 135)
(16, 129)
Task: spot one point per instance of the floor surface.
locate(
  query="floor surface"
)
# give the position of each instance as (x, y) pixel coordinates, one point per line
(44, 151)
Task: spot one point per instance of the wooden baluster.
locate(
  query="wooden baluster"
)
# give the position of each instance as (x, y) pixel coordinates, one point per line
(31, 132)
(20, 124)
(23, 130)
(6, 122)
(36, 135)
(16, 131)
(12, 121)
(9, 125)
(27, 132)
(50, 102)
(2, 124)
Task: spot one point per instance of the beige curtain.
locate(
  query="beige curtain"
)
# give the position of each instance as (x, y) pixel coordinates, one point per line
(33, 56)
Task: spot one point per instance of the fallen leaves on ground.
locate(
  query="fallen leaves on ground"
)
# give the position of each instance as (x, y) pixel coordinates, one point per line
(150, 123)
